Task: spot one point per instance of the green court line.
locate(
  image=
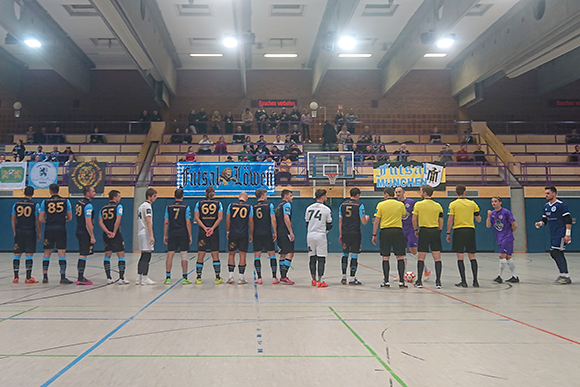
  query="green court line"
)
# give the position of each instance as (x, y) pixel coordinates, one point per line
(368, 348)
(18, 314)
(198, 356)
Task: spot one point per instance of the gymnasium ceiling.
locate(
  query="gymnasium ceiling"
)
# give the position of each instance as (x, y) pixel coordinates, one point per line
(157, 36)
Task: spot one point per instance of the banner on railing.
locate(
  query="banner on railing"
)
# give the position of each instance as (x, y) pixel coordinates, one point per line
(12, 176)
(409, 175)
(227, 178)
(86, 174)
(42, 174)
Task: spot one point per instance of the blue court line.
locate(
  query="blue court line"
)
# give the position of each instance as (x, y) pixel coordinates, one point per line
(304, 319)
(98, 343)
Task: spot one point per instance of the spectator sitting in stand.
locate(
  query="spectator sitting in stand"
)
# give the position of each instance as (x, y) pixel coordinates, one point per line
(54, 155)
(343, 134)
(468, 136)
(229, 123)
(351, 119)
(402, 153)
(67, 153)
(37, 159)
(273, 122)
(19, 151)
(348, 143)
(192, 121)
(367, 136)
(295, 137)
(57, 137)
(239, 136)
(573, 158)
(205, 143)
(176, 138)
(202, 120)
(40, 137)
(94, 159)
(262, 118)
(190, 156)
(377, 143)
(275, 153)
(284, 121)
(362, 142)
(369, 153)
(435, 137)
(145, 121)
(294, 152)
(221, 148)
(248, 143)
(446, 154)
(279, 143)
(261, 141)
(156, 116)
(573, 138)
(187, 136)
(216, 119)
(382, 154)
(245, 154)
(284, 170)
(30, 135)
(39, 152)
(479, 155)
(71, 159)
(287, 142)
(229, 159)
(295, 116)
(261, 153)
(96, 137)
(462, 155)
(2, 159)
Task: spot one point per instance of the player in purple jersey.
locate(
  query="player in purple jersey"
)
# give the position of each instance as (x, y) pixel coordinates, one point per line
(408, 229)
(504, 225)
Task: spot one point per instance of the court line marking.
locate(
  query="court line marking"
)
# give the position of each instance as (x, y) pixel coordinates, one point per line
(204, 356)
(369, 348)
(18, 314)
(492, 312)
(107, 336)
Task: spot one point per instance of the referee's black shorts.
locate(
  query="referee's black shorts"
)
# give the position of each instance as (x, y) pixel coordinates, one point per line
(392, 239)
(429, 237)
(351, 243)
(464, 240)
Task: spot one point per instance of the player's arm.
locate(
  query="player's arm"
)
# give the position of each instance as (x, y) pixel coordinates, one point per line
(165, 225)
(274, 224)
(339, 227)
(440, 221)
(102, 224)
(476, 213)
(188, 222)
(149, 226)
(228, 218)
(89, 222)
(38, 223)
(414, 221)
(567, 218)
(514, 226)
(450, 218)
(542, 222)
(41, 216)
(362, 215)
(288, 224)
(68, 211)
(197, 219)
(329, 222)
(251, 223)
(14, 219)
(118, 220)
(488, 219)
(219, 219)
(376, 222)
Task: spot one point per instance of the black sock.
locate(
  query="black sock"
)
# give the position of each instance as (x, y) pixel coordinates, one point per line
(122, 265)
(461, 266)
(258, 267)
(560, 259)
(401, 269)
(344, 264)
(16, 266)
(143, 266)
(274, 266)
(321, 264)
(386, 269)
(474, 268)
(313, 267)
(420, 268)
(81, 268)
(353, 266)
(231, 268)
(241, 269)
(62, 264)
(217, 268)
(28, 267)
(438, 270)
(107, 265)
(283, 269)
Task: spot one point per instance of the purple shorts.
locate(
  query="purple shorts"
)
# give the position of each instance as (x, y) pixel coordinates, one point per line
(506, 247)
(410, 237)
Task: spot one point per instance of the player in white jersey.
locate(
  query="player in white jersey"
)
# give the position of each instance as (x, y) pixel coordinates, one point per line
(146, 237)
(318, 222)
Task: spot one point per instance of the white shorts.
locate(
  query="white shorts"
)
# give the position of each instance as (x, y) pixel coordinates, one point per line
(317, 245)
(145, 242)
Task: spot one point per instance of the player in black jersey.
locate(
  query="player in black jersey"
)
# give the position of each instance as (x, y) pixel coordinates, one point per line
(55, 212)
(239, 218)
(264, 234)
(177, 234)
(85, 215)
(350, 215)
(208, 214)
(110, 222)
(285, 235)
(26, 227)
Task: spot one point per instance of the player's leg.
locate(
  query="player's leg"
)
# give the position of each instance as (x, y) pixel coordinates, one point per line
(397, 238)
(557, 254)
(354, 248)
(231, 262)
(470, 247)
(184, 267)
(168, 266)
(16, 267)
(502, 266)
(258, 267)
(385, 252)
(122, 265)
(458, 246)
(201, 248)
(107, 265)
(312, 259)
(242, 266)
(62, 260)
(48, 246)
(143, 267)
(420, 268)
(287, 265)
(321, 254)
(217, 267)
(344, 259)
(273, 266)
(438, 267)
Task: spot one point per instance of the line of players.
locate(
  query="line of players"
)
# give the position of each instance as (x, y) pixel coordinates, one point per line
(403, 224)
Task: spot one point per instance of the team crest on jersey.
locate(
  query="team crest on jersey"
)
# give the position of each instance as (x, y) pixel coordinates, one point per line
(553, 209)
(501, 216)
(498, 225)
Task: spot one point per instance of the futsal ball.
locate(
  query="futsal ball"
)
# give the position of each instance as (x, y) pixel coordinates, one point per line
(409, 276)
(427, 274)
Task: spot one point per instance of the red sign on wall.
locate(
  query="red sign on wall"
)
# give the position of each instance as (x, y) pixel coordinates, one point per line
(277, 102)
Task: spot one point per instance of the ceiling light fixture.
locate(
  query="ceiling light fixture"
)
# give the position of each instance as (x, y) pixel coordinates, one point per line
(347, 43)
(446, 41)
(206, 55)
(230, 42)
(31, 42)
(280, 55)
(355, 55)
(435, 55)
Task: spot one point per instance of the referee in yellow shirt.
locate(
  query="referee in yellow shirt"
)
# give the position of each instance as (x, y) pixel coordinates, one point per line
(389, 215)
(460, 217)
(428, 216)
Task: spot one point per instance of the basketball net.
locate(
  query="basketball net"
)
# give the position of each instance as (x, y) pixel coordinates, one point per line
(332, 177)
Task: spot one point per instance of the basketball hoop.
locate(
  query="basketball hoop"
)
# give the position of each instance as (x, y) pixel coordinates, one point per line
(332, 177)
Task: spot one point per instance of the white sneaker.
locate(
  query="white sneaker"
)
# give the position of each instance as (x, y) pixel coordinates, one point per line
(110, 281)
(147, 281)
(123, 281)
(138, 281)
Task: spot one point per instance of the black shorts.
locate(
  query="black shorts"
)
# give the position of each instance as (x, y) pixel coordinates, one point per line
(115, 244)
(464, 240)
(351, 243)
(85, 245)
(286, 247)
(24, 244)
(263, 243)
(54, 238)
(392, 239)
(211, 243)
(178, 243)
(429, 237)
(238, 242)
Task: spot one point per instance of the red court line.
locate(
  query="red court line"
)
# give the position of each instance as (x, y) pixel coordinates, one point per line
(490, 311)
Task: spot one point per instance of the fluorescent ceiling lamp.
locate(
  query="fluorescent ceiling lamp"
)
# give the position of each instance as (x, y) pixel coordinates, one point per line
(31, 42)
(355, 55)
(435, 55)
(347, 43)
(206, 55)
(280, 55)
(230, 42)
(445, 42)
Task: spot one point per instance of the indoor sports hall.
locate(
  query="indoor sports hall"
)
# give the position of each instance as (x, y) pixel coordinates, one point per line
(321, 193)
